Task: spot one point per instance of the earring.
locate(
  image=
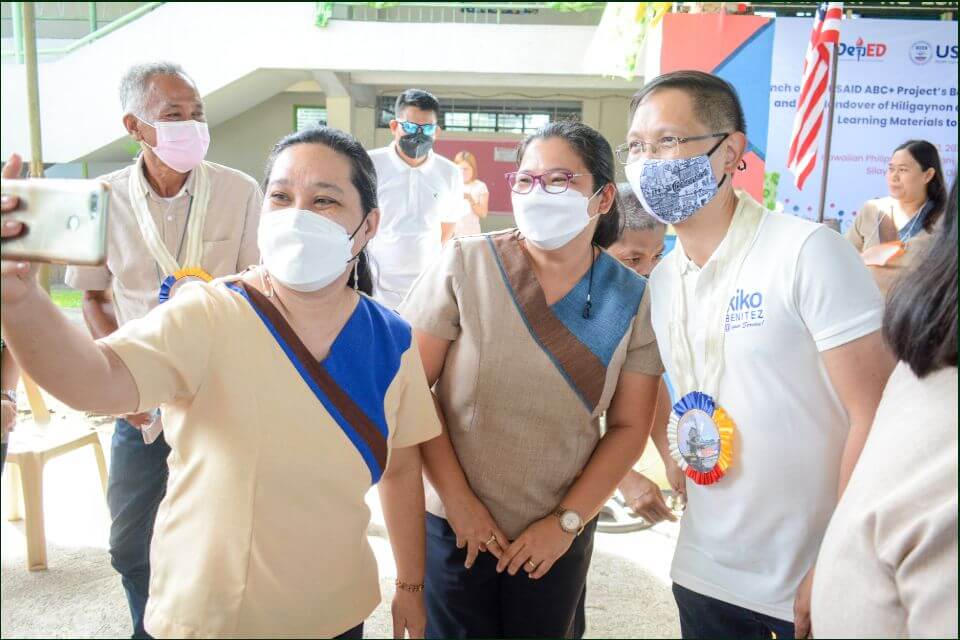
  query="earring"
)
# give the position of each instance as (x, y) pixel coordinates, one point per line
(743, 165)
(356, 278)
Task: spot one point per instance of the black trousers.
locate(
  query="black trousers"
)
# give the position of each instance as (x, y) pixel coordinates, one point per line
(353, 634)
(481, 603)
(705, 617)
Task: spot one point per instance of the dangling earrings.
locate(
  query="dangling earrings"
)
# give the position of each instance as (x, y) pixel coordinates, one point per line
(743, 165)
(356, 275)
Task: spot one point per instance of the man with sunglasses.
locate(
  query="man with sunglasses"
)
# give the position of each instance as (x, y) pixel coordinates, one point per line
(768, 326)
(420, 195)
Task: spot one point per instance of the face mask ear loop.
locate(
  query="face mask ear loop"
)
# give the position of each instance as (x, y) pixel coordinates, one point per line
(352, 236)
(717, 146)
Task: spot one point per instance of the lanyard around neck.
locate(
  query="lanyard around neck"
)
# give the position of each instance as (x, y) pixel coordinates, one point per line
(194, 225)
(728, 261)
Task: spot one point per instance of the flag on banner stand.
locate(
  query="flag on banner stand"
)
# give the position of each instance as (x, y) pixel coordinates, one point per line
(802, 157)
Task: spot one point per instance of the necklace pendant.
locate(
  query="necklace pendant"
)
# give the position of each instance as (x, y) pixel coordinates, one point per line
(700, 433)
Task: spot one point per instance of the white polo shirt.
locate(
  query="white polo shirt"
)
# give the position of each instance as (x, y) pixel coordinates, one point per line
(413, 202)
(750, 538)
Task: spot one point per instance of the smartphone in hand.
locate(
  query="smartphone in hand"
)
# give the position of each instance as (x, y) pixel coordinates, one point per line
(65, 221)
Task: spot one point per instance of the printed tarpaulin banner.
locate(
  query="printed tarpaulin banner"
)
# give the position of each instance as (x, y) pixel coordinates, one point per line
(896, 81)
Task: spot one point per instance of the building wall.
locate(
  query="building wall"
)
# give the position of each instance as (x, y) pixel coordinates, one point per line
(243, 142)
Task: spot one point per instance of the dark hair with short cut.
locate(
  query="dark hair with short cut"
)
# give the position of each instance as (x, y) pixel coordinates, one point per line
(715, 101)
(920, 322)
(423, 100)
(363, 176)
(927, 157)
(595, 152)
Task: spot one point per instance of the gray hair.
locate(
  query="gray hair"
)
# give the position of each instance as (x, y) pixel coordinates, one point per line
(136, 82)
(634, 216)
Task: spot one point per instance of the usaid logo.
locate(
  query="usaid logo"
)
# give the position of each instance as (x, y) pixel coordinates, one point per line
(860, 50)
(921, 52)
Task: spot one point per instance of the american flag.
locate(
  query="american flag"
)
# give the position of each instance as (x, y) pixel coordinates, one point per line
(816, 71)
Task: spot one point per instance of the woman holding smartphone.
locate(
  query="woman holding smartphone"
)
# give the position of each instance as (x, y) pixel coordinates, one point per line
(286, 391)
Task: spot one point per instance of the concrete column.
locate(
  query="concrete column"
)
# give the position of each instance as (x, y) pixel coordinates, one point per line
(591, 112)
(340, 112)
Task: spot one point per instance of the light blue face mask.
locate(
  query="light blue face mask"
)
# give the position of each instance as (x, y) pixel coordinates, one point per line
(672, 190)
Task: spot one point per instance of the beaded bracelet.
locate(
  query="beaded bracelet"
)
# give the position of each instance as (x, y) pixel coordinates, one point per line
(412, 588)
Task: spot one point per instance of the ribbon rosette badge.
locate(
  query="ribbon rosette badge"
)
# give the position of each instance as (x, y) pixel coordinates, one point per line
(171, 283)
(701, 437)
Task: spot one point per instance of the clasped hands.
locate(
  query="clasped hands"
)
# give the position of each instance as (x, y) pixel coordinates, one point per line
(535, 550)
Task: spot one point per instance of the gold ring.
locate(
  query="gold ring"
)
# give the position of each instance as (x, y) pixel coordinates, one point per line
(493, 538)
(533, 567)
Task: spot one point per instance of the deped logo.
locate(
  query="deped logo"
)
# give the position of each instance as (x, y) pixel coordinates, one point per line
(861, 49)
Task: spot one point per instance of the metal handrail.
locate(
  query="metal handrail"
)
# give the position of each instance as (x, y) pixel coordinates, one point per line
(94, 35)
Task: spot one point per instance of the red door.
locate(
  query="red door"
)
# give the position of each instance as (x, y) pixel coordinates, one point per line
(490, 169)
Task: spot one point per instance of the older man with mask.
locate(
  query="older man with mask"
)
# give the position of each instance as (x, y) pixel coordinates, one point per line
(173, 217)
(769, 328)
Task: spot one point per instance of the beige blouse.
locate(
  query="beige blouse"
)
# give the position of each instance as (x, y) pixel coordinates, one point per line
(262, 532)
(522, 394)
(873, 226)
(888, 563)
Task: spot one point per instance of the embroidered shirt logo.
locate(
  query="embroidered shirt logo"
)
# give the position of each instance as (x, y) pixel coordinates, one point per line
(745, 310)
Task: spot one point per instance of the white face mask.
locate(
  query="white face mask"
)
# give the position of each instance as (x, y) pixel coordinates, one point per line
(305, 251)
(551, 220)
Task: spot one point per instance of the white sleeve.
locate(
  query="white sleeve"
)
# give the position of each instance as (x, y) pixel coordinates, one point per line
(453, 206)
(835, 294)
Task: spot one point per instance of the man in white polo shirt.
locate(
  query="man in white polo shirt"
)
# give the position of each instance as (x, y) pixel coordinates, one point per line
(768, 326)
(173, 217)
(420, 196)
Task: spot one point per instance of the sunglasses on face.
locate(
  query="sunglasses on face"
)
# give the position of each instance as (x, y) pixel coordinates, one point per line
(413, 127)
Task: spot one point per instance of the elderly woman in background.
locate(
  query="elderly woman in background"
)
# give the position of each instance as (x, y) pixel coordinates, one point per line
(287, 392)
(887, 564)
(475, 194)
(640, 247)
(892, 231)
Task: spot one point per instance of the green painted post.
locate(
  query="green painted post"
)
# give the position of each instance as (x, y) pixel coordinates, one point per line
(92, 16)
(17, 15)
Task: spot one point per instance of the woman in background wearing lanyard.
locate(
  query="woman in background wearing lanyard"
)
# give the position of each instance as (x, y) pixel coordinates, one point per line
(890, 231)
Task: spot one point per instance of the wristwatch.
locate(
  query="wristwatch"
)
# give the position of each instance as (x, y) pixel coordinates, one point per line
(570, 521)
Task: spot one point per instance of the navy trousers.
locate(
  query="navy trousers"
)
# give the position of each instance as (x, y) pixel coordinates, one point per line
(705, 617)
(138, 482)
(481, 603)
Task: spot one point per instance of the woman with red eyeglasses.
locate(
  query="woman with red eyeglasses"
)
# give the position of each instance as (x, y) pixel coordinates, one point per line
(529, 336)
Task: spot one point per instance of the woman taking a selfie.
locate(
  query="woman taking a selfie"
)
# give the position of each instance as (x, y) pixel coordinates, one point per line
(286, 393)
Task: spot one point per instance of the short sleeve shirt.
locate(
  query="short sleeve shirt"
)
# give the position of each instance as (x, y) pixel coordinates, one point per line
(263, 528)
(521, 426)
(750, 538)
(132, 274)
(414, 201)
